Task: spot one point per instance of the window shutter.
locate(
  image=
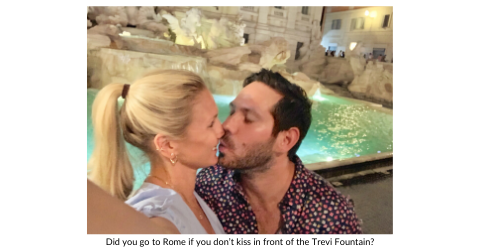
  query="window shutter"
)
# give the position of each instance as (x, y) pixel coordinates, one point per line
(385, 21)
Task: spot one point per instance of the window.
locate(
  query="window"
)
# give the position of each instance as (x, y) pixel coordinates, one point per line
(358, 23)
(378, 52)
(278, 7)
(297, 53)
(336, 24)
(248, 8)
(386, 21)
(305, 10)
(245, 36)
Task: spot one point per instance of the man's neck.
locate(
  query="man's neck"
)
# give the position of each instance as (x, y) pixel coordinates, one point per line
(268, 188)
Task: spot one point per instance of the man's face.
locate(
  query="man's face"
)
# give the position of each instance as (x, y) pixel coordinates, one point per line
(248, 142)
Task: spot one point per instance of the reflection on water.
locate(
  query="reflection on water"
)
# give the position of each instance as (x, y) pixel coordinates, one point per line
(340, 129)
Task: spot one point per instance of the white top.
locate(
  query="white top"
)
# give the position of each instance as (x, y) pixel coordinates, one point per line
(155, 201)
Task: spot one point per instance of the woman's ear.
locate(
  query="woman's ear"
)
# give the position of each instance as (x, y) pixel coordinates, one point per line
(163, 145)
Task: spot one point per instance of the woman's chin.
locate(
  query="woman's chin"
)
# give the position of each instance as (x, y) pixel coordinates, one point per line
(213, 161)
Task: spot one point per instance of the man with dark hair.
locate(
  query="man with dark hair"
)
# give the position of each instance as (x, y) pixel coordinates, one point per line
(260, 185)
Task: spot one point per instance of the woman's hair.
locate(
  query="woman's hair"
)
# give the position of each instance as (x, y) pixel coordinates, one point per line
(158, 103)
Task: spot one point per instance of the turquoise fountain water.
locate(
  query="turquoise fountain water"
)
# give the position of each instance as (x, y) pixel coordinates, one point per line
(341, 129)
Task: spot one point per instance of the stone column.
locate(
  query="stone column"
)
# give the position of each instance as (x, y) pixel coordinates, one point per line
(292, 16)
(262, 32)
(290, 32)
(317, 16)
(263, 14)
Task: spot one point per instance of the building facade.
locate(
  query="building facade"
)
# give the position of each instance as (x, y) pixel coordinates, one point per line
(297, 24)
(373, 26)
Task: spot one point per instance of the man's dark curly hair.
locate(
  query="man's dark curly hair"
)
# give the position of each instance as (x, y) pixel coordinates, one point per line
(293, 110)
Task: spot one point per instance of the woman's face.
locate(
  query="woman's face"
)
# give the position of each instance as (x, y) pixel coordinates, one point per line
(199, 147)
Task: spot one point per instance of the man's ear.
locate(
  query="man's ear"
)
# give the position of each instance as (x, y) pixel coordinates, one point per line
(287, 139)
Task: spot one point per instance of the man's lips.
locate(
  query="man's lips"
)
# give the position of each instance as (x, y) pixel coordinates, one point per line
(222, 147)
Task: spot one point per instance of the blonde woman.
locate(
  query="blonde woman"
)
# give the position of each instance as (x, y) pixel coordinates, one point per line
(172, 117)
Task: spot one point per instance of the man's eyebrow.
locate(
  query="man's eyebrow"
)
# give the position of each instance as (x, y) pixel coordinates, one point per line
(246, 110)
(253, 112)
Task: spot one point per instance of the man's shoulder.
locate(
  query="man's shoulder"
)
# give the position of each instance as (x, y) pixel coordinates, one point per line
(319, 190)
(328, 205)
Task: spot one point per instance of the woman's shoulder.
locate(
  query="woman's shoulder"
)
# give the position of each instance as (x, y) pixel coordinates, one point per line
(155, 201)
(152, 200)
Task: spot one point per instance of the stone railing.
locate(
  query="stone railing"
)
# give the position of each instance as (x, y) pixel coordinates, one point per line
(305, 18)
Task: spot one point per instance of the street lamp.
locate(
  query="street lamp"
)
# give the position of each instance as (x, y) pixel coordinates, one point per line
(353, 45)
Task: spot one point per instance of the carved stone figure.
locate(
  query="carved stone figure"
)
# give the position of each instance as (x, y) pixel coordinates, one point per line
(196, 30)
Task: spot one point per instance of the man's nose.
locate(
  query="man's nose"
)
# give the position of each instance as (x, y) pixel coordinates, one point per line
(219, 130)
(231, 124)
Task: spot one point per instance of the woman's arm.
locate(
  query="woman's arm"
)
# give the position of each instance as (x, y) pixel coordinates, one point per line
(108, 215)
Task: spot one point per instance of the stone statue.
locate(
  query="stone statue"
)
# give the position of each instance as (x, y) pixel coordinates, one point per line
(355, 57)
(196, 30)
(316, 32)
(274, 51)
(222, 33)
(185, 29)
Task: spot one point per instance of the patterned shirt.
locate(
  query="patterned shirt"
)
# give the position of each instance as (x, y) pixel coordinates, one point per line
(310, 206)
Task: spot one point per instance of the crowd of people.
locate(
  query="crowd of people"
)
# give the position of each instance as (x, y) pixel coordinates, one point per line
(256, 184)
(341, 54)
(380, 58)
(332, 53)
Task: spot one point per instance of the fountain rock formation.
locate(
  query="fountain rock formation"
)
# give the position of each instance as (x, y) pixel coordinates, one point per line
(113, 20)
(375, 83)
(317, 66)
(310, 86)
(123, 66)
(355, 57)
(252, 57)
